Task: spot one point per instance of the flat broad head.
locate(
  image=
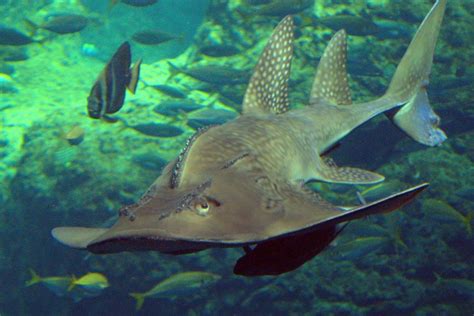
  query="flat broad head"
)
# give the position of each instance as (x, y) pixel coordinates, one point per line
(235, 208)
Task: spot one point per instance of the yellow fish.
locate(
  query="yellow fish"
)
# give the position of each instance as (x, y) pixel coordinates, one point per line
(92, 283)
(446, 214)
(380, 190)
(57, 284)
(177, 284)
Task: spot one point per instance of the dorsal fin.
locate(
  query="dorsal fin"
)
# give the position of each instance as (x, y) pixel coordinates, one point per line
(267, 91)
(331, 83)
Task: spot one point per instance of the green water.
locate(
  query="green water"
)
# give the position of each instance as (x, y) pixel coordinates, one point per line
(417, 260)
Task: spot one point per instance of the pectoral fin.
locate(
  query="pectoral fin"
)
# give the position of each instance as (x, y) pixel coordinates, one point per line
(77, 237)
(134, 76)
(288, 251)
(278, 256)
(328, 171)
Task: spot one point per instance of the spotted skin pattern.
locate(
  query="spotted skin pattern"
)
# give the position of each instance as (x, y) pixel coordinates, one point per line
(331, 83)
(268, 87)
(330, 172)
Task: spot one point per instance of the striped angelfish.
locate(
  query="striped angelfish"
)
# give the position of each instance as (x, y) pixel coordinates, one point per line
(108, 92)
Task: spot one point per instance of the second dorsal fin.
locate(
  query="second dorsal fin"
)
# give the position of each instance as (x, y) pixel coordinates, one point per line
(267, 91)
(331, 83)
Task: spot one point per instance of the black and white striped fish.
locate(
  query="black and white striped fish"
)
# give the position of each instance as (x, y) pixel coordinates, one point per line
(108, 92)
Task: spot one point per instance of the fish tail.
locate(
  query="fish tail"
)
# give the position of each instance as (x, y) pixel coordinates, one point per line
(181, 117)
(398, 239)
(35, 278)
(73, 283)
(409, 84)
(467, 221)
(140, 298)
(174, 70)
(32, 27)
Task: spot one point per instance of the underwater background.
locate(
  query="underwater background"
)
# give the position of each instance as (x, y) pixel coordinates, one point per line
(59, 167)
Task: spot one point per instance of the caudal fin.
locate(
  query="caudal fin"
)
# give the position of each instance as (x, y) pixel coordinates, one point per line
(140, 298)
(35, 278)
(467, 221)
(73, 283)
(32, 27)
(409, 84)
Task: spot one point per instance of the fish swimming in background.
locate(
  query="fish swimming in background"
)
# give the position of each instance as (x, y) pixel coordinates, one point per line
(108, 92)
(215, 74)
(91, 284)
(171, 91)
(242, 184)
(463, 287)
(57, 284)
(219, 50)
(445, 214)
(153, 37)
(157, 129)
(205, 117)
(13, 37)
(75, 135)
(12, 53)
(133, 3)
(175, 108)
(380, 190)
(354, 25)
(62, 24)
(180, 284)
(361, 247)
(280, 8)
(7, 84)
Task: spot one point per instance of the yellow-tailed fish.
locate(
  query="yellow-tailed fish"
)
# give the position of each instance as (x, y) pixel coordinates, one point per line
(446, 214)
(57, 284)
(380, 190)
(464, 287)
(92, 283)
(177, 284)
(360, 247)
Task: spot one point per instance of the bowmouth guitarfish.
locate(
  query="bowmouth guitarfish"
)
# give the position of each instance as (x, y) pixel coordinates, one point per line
(241, 184)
